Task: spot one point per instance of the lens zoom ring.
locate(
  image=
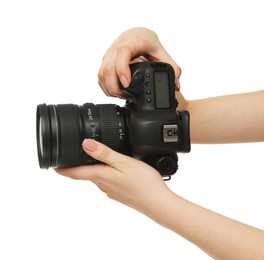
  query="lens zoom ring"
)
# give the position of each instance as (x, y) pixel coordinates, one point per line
(109, 125)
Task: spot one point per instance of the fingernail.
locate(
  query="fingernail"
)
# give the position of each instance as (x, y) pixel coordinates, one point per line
(89, 145)
(178, 85)
(124, 81)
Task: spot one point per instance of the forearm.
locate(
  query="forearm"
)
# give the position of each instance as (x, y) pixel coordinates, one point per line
(226, 119)
(219, 236)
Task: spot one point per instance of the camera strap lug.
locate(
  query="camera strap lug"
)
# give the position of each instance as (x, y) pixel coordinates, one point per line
(166, 178)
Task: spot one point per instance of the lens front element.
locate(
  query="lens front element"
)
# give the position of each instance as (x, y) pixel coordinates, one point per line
(43, 136)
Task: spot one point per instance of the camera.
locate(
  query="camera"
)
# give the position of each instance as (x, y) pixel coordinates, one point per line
(148, 127)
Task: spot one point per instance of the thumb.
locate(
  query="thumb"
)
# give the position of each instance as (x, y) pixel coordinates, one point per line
(103, 153)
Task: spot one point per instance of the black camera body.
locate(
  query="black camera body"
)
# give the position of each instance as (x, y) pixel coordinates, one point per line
(156, 131)
(148, 127)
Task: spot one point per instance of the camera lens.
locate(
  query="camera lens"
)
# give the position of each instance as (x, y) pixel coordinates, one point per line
(62, 128)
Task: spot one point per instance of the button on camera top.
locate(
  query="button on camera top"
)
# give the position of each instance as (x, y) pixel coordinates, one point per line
(148, 100)
(147, 83)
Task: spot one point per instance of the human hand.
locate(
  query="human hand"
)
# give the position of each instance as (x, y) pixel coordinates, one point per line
(141, 187)
(125, 179)
(131, 45)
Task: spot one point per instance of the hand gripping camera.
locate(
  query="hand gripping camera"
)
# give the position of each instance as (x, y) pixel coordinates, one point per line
(148, 127)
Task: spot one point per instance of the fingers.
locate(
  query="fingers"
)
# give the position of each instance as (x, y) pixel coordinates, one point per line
(165, 57)
(129, 46)
(91, 173)
(122, 65)
(104, 154)
(108, 80)
(113, 69)
(112, 163)
(177, 83)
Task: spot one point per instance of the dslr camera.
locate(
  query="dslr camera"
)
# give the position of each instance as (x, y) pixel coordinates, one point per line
(148, 127)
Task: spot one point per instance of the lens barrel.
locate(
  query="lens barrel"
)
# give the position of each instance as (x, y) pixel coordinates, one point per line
(62, 128)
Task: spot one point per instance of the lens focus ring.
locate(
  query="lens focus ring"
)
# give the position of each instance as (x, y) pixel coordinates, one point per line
(70, 135)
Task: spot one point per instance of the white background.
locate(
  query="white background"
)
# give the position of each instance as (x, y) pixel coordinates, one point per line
(50, 51)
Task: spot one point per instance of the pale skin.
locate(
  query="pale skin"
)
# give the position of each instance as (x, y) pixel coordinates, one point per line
(219, 236)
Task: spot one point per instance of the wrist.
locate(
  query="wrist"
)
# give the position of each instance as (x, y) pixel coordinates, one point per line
(161, 209)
